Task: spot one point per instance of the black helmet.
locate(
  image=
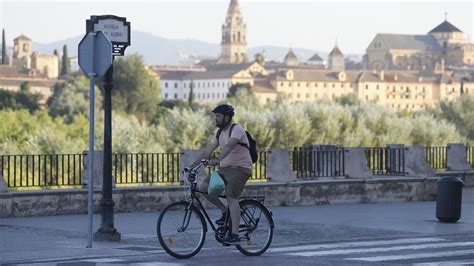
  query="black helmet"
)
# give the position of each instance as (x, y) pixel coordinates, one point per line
(224, 109)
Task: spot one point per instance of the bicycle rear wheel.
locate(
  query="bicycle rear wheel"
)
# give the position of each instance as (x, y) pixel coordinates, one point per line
(256, 228)
(181, 230)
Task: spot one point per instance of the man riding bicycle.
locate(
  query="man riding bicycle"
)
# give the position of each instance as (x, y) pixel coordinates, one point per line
(235, 166)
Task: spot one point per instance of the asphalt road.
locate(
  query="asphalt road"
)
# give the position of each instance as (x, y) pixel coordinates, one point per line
(352, 234)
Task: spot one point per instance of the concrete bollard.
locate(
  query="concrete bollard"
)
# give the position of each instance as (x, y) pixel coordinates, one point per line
(456, 159)
(355, 163)
(278, 166)
(3, 184)
(415, 163)
(98, 170)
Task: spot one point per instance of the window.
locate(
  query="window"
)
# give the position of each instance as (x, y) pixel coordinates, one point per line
(176, 85)
(184, 96)
(366, 86)
(366, 97)
(324, 85)
(377, 87)
(166, 95)
(281, 84)
(298, 84)
(176, 96)
(307, 96)
(315, 85)
(298, 95)
(423, 89)
(342, 85)
(333, 85)
(315, 95)
(166, 84)
(307, 85)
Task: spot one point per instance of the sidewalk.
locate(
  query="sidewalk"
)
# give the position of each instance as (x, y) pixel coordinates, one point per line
(63, 237)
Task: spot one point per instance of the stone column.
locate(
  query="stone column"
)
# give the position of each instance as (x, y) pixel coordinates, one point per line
(187, 158)
(415, 163)
(98, 170)
(355, 163)
(3, 184)
(456, 159)
(278, 166)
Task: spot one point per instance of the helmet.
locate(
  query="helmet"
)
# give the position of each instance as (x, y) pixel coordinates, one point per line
(224, 109)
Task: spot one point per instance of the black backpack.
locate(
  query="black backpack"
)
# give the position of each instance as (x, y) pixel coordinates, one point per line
(252, 143)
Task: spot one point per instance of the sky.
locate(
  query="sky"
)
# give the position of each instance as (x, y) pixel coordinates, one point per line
(312, 24)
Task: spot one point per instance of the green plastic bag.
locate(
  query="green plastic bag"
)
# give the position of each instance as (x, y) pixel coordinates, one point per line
(216, 184)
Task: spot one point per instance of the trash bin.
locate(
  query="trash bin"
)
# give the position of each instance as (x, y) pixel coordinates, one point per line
(448, 199)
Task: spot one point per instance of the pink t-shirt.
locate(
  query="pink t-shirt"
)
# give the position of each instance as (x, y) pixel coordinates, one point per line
(239, 155)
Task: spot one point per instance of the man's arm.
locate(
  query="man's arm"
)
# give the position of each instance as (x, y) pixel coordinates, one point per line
(225, 151)
(206, 154)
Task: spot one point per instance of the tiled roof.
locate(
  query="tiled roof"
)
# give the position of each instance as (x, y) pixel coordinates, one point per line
(336, 52)
(263, 86)
(399, 76)
(316, 75)
(445, 27)
(22, 37)
(315, 57)
(290, 55)
(404, 41)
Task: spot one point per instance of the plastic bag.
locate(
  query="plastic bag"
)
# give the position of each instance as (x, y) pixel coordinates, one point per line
(216, 184)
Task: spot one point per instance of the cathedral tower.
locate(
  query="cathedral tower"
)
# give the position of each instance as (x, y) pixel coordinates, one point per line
(234, 37)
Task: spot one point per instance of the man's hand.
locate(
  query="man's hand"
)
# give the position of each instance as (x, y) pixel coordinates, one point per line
(214, 162)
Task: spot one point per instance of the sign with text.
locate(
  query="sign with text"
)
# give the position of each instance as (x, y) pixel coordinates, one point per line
(117, 30)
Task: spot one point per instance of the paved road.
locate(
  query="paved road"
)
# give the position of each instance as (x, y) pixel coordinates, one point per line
(352, 234)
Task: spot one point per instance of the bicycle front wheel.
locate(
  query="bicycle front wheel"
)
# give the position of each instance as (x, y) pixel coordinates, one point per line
(181, 230)
(256, 228)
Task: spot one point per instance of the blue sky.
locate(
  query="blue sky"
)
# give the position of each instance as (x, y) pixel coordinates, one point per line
(303, 24)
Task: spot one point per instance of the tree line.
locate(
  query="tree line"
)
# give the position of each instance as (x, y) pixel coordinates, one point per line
(143, 122)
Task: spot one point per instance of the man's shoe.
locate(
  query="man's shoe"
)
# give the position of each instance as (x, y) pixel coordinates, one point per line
(232, 239)
(221, 220)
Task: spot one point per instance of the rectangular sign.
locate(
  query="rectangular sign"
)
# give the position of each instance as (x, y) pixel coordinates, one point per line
(115, 30)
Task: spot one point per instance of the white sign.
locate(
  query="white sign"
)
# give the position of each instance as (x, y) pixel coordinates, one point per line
(115, 30)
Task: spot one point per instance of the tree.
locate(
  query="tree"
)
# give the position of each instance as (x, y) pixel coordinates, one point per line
(65, 64)
(19, 100)
(71, 99)
(260, 58)
(460, 112)
(135, 90)
(239, 86)
(56, 53)
(4, 49)
(191, 94)
(25, 86)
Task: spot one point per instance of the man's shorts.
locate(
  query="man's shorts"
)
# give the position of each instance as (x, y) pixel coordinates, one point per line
(234, 179)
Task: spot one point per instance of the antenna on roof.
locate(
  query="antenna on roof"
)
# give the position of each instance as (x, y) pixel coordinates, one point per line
(445, 16)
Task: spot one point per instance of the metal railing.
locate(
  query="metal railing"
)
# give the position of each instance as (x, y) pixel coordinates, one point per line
(436, 157)
(66, 170)
(41, 170)
(385, 160)
(135, 168)
(470, 155)
(317, 161)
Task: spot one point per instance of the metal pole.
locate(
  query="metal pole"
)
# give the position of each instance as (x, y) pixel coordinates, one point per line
(90, 163)
(107, 232)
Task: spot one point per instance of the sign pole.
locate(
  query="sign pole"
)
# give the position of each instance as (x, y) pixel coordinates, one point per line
(91, 160)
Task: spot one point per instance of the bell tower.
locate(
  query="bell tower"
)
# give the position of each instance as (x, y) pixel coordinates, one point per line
(234, 36)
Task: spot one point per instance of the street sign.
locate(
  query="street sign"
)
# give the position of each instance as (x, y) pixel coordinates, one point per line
(117, 29)
(95, 54)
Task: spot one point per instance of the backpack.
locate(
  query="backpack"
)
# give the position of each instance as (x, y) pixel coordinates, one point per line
(253, 144)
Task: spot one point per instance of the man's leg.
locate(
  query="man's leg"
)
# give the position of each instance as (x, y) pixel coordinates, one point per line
(214, 200)
(234, 214)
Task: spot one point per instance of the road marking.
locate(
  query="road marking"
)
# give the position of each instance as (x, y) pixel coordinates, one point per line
(356, 244)
(415, 256)
(104, 260)
(445, 263)
(387, 249)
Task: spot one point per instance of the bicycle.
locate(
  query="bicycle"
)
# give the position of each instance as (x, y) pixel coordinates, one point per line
(182, 227)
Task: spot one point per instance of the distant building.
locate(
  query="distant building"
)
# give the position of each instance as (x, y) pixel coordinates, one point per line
(336, 60)
(234, 37)
(291, 59)
(23, 56)
(420, 52)
(316, 60)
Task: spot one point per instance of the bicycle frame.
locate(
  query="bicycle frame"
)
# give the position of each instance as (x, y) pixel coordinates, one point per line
(249, 220)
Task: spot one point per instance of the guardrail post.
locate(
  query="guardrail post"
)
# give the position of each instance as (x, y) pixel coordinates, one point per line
(3, 184)
(187, 158)
(278, 166)
(456, 158)
(98, 170)
(355, 163)
(415, 162)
